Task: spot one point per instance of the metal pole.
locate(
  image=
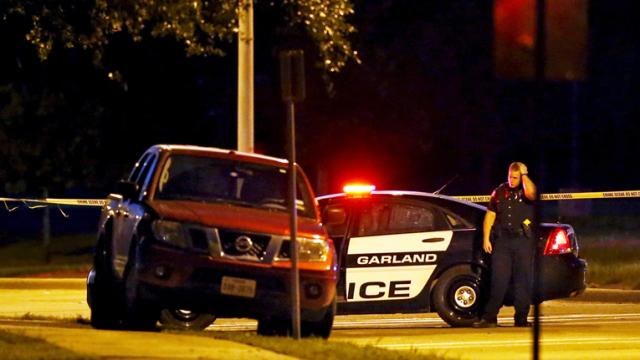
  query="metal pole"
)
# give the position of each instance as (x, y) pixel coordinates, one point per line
(245, 76)
(540, 58)
(46, 230)
(295, 277)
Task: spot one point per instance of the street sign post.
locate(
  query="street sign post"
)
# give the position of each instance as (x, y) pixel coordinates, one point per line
(293, 90)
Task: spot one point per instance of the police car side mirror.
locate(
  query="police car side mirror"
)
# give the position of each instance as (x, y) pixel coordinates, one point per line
(334, 216)
(127, 189)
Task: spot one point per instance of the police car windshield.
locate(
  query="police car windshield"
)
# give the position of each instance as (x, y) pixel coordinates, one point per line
(205, 179)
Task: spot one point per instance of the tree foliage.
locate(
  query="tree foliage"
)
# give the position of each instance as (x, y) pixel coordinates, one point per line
(47, 141)
(58, 117)
(201, 26)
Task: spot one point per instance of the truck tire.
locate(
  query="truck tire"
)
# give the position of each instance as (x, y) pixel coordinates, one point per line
(104, 294)
(322, 327)
(183, 319)
(141, 314)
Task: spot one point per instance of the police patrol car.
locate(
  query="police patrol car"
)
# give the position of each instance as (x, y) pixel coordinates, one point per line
(402, 251)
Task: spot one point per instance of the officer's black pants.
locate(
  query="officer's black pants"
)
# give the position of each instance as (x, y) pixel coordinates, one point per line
(511, 257)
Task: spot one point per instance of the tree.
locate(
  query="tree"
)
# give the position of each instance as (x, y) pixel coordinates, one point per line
(60, 115)
(199, 25)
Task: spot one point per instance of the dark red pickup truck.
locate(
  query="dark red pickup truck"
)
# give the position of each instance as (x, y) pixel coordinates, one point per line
(197, 233)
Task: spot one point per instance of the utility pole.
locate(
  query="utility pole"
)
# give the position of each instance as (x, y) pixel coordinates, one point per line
(245, 76)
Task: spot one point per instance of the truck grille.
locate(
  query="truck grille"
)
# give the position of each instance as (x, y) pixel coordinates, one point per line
(243, 245)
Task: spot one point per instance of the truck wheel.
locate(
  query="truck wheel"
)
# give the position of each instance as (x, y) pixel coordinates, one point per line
(322, 327)
(274, 327)
(458, 296)
(183, 319)
(106, 309)
(104, 295)
(140, 314)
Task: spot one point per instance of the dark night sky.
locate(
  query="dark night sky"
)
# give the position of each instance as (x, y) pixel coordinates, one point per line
(422, 108)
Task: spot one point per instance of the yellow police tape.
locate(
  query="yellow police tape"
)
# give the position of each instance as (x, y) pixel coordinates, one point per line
(565, 196)
(472, 198)
(54, 201)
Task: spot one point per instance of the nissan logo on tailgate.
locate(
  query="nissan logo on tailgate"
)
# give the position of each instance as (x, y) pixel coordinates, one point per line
(243, 244)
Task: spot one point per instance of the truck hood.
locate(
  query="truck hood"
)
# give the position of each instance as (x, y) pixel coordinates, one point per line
(234, 217)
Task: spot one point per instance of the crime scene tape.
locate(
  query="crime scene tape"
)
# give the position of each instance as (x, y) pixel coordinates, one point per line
(472, 198)
(54, 201)
(564, 196)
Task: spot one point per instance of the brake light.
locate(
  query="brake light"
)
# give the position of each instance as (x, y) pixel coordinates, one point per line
(558, 242)
(358, 190)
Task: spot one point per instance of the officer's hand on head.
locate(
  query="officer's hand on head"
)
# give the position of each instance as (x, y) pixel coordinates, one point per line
(486, 245)
(523, 169)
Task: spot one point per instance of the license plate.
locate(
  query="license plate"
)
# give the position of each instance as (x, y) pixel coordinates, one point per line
(238, 287)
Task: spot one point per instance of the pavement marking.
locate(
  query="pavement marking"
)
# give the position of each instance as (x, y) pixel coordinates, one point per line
(511, 342)
(339, 324)
(590, 316)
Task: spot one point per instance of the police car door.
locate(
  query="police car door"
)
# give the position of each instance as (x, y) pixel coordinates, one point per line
(394, 249)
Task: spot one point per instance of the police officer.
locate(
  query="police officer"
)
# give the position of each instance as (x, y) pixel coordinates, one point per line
(509, 223)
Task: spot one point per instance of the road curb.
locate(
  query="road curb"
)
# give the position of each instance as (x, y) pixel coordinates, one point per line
(31, 283)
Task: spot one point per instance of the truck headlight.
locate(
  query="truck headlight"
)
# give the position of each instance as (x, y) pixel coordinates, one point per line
(310, 250)
(170, 232)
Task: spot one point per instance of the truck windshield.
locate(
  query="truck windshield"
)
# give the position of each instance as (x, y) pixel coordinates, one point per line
(206, 179)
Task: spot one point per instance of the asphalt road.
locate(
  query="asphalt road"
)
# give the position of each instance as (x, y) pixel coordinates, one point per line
(598, 325)
(588, 331)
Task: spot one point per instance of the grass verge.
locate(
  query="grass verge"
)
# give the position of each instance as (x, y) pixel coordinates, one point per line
(322, 349)
(612, 264)
(69, 254)
(17, 347)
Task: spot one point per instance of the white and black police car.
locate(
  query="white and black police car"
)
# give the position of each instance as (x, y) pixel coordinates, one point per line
(403, 252)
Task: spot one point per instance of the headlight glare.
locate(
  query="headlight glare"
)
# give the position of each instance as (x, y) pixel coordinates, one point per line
(312, 249)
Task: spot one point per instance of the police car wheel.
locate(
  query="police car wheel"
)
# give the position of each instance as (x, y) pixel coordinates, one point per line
(457, 296)
(185, 319)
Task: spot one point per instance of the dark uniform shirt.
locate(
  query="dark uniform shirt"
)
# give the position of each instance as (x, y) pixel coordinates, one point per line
(514, 212)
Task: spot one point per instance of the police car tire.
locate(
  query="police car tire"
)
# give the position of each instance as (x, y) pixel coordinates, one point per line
(443, 296)
(182, 319)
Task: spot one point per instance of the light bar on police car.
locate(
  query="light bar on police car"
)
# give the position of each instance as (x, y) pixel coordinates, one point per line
(358, 189)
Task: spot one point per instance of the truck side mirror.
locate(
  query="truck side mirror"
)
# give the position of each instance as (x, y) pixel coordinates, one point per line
(335, 216)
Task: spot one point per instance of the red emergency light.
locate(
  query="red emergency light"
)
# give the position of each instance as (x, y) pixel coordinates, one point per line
(358, 190)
